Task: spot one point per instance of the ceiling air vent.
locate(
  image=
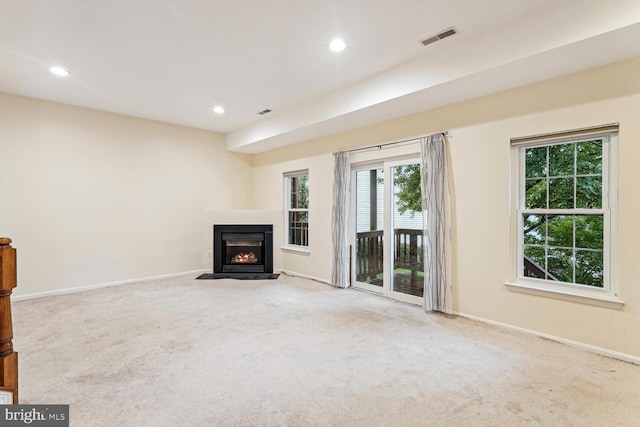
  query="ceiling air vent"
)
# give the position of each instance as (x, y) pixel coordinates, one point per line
(265, 111)
(443, 34)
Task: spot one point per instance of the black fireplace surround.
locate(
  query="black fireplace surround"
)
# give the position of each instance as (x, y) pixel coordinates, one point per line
(243, 251)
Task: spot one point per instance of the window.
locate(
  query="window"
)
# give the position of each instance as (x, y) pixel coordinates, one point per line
(297, 209)
(565, 197)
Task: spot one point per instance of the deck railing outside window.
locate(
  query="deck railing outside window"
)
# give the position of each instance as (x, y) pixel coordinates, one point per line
(407, 259)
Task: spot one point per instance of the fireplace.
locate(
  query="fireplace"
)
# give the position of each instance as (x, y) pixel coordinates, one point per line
(242, 250)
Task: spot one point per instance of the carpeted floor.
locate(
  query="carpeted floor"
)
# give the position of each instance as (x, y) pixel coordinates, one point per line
(293, 352)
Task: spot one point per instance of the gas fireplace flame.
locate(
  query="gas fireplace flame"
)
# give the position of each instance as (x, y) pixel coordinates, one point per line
(245, 258)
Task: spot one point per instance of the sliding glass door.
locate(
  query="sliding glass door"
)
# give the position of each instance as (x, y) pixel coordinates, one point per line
(387, 234)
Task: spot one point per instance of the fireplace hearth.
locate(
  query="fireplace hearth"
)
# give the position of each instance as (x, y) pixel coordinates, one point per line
(243, 251)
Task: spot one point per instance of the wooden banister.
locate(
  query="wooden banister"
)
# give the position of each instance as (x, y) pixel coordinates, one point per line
(8, 281)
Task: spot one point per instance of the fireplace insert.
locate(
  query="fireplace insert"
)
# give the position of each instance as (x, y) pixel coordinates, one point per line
(242, 249)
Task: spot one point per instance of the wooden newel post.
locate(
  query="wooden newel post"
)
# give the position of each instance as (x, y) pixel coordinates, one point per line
(8, 281)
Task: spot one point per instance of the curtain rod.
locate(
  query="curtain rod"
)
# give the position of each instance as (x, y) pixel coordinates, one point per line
(379, 146)
(571, 132)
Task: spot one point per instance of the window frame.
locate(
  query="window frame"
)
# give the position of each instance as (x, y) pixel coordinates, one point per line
(609, 293)
(288, 209)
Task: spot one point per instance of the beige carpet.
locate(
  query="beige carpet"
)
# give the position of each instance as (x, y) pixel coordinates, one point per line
(293, 352)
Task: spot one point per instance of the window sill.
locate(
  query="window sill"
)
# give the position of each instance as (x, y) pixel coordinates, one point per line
(566, 295)
(296, 249)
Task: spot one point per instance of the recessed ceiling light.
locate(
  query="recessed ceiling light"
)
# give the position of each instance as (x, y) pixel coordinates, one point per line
(59, 71)
(218, 109)
(337, 45)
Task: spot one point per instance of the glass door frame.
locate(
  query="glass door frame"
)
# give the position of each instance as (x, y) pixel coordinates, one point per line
(388, 234)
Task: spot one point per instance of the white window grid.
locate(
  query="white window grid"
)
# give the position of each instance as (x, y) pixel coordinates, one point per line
(607, 211)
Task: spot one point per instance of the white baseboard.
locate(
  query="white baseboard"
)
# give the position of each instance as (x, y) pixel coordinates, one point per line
(591, 348)
(303, 276)
(102, 285)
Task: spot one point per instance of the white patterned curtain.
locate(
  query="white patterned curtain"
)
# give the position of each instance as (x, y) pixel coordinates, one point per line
(437, 223)
(339, 225)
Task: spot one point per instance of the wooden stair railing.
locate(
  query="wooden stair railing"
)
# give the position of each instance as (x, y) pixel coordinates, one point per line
(8, 357)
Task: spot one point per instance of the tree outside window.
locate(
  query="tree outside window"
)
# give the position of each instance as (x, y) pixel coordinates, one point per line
(563, 220)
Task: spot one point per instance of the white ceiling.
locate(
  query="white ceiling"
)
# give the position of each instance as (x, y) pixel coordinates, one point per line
(173, 60)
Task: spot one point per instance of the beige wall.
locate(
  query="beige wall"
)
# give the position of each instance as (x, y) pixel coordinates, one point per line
(268, 194)
(90, 197)
(480, 158)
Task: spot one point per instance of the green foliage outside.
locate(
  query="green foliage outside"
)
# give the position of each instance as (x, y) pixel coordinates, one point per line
(300, 192)
(408, 197)
(407, 272)
(568, 248)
